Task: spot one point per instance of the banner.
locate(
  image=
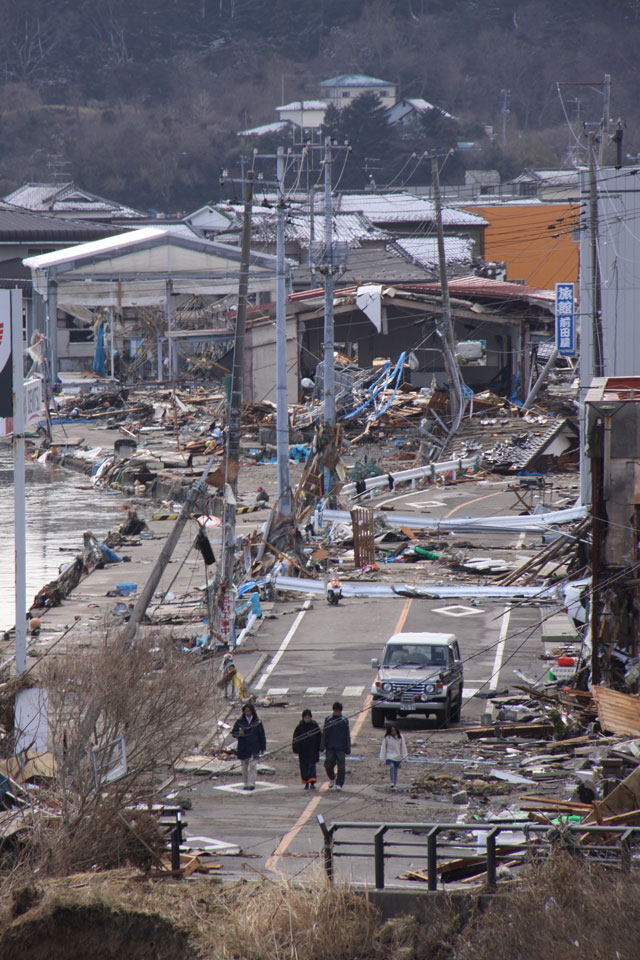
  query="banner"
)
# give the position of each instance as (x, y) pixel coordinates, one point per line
(565, 319)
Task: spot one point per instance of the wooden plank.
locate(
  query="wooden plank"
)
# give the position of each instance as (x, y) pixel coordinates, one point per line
(618, 713)
(512, 730)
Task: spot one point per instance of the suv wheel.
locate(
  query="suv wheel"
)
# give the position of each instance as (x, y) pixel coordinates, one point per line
(444, 717)
(377, 717)
(457, 710)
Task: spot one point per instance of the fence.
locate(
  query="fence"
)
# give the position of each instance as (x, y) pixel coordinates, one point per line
(538, 838)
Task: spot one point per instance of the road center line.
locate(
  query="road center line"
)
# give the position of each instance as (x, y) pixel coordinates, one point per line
(283, 646)
(502, 642)
(272, 862)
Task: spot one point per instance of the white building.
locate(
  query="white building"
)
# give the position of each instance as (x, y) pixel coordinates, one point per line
(306, 114)
(341, 90)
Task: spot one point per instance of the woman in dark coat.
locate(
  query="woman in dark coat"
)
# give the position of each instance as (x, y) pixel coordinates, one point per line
(252, 742)
(306, 743)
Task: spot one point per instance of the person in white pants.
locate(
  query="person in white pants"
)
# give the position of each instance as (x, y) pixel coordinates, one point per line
(393, 750)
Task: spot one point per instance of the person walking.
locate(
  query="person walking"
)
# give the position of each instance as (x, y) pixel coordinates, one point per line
(306, 743)
(393, 750)
(336, 742)
(252, 743)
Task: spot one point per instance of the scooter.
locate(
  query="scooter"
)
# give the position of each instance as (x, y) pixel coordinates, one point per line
(334, 593)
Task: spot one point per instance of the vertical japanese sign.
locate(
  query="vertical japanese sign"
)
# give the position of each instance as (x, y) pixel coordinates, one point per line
(6, 370)
(565, 319)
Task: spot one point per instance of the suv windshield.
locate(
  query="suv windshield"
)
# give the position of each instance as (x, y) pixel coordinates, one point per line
(415, 655)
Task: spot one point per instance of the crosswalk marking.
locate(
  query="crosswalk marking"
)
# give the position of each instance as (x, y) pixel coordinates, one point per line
(469, 692)
(277, 691)
(315, 691)
(352, 691)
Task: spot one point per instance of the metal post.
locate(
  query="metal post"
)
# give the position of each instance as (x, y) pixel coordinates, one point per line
(52, 328)
(432, 858)
(606, 111)
(282, 404)
(327, 849)
(328, 356)
(378, 847)
(175, 850)
(237, 386)
(491, 857)
(20, 519)
(625, 850)
(596, 304)
(445, 326)
(533, 393)
(198, 488)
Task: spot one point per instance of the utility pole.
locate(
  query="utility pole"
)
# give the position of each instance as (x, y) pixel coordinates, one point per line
(328, 357)
(19, 506)
(505, 113)
(606, 113)
(237, 390)
(282, 403)
(444, 326)
(596, 300)
(198, 488)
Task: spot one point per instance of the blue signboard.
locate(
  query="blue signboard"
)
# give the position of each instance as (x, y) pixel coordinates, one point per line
(565, 319)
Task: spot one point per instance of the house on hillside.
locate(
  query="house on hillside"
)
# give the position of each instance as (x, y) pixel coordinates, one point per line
(341, 90)
(306, 114)
(69, 200)
(408, 113)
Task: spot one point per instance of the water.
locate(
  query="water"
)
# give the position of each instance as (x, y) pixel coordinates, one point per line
(61, 506)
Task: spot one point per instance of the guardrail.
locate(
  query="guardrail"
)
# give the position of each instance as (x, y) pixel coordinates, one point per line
(537, 837)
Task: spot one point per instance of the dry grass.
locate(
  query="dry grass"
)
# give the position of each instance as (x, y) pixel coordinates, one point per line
(241, 921)
(564, 909)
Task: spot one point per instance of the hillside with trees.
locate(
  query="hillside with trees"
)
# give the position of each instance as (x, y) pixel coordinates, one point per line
(142, 100)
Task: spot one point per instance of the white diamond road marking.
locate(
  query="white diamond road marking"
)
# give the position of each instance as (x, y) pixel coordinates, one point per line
(457, 610)
(261, 787)
(352, 691)
(427, 503)
(208, 844)
(315, 691)
(277, 691)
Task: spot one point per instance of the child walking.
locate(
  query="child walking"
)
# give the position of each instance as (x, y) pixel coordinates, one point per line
(393, 751)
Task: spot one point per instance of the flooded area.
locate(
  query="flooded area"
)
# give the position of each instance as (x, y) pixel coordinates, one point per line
(61, 505)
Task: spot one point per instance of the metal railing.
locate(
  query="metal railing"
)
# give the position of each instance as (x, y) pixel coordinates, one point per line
(538, 838)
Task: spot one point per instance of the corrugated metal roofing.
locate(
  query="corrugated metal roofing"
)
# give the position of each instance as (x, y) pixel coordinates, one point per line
(355, 80)
(618, 713)
(424, 250)
(501, 289)
(18, 225)
(66, 197)
(350, 228)
(399, 207)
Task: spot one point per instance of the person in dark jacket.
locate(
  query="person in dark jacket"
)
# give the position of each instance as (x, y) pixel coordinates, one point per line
(336, 742)
(306, 743)
(252, 742)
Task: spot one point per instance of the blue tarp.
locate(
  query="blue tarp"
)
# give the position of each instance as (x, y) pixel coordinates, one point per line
(100, 355)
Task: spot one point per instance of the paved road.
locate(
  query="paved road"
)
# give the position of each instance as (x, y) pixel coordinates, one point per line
(317, 654)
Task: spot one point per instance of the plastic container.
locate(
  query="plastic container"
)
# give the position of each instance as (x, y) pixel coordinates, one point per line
(126, 589)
